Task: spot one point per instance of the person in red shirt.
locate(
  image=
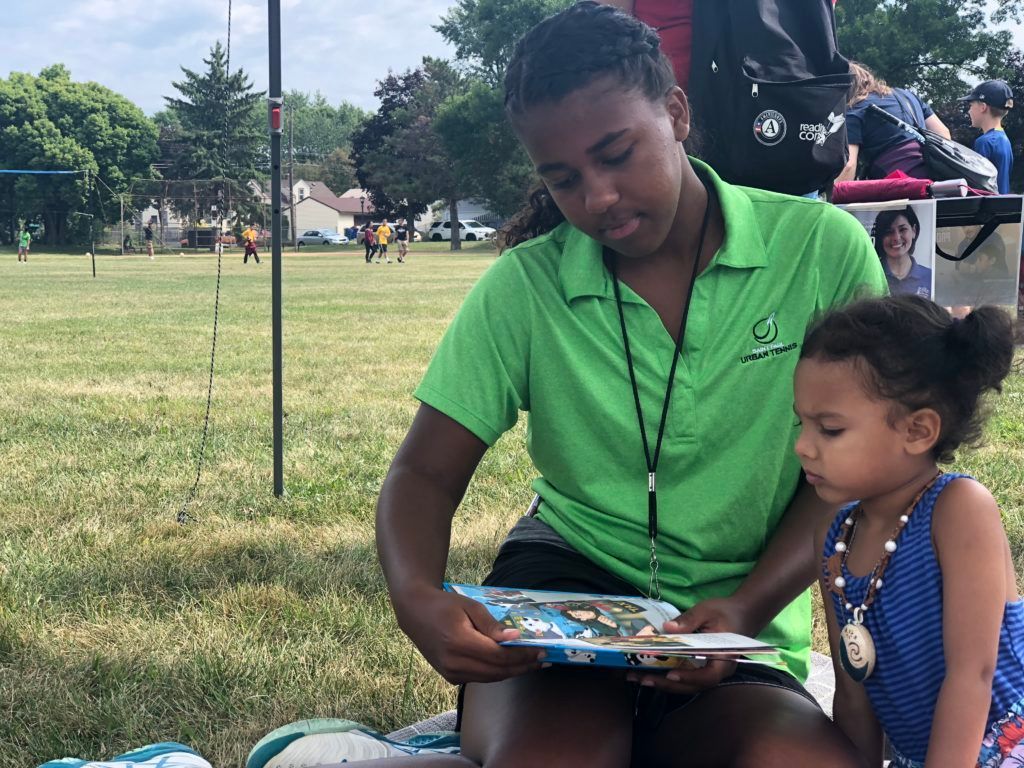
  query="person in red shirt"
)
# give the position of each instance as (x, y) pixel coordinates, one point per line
(673, 19)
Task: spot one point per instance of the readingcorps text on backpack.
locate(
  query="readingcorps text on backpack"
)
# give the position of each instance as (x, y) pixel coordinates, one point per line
(768, 89)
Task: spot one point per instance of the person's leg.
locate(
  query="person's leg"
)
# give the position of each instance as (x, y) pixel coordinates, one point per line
(149, 248)
(748, 725)
(556, 717)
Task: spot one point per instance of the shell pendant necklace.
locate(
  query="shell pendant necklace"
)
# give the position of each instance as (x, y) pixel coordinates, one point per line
(856, 646)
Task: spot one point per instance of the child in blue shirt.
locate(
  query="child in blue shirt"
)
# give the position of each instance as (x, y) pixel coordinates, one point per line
(925, 624)
(988, 105)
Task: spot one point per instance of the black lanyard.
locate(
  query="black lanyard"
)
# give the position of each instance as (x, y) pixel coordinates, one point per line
(652, 462)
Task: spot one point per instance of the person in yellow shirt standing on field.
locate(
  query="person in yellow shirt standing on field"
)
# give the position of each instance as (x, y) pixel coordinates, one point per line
(249, 239)
(383, 235)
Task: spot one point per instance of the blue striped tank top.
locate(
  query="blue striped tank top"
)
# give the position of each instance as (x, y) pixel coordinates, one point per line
(905, 622)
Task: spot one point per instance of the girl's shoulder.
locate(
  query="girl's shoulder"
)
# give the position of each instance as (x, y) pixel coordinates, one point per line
(960, 501)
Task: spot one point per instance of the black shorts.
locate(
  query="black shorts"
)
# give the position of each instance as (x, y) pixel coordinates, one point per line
(545, 566)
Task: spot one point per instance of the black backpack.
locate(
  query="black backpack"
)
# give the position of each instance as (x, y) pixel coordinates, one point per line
(768, 89)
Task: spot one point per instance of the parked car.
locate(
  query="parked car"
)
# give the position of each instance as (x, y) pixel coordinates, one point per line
(468, 230)
(321, 237)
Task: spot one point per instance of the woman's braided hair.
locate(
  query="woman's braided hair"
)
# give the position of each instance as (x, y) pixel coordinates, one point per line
(564, 53)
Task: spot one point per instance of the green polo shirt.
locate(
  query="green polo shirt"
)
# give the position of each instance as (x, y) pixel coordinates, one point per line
(540, 333)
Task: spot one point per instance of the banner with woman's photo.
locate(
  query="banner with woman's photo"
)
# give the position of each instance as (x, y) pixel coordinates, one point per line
(960, 252)
(903, 232)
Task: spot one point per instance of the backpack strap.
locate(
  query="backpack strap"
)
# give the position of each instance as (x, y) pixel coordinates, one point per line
(903, 106)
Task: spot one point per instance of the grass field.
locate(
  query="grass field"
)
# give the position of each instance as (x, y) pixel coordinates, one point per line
(117, 626)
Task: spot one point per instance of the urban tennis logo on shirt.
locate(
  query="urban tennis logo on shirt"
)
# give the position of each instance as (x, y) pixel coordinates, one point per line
(770, 127)
(766, 333)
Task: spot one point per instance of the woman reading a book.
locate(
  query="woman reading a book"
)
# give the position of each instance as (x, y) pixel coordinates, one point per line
(648, 320)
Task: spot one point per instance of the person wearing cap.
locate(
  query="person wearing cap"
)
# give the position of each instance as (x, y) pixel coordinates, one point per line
(988, 104)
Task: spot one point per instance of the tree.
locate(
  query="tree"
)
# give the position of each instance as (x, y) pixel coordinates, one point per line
(472, 124)
(219, 139)
(931, 46)
(478, 138)
(484, 32)
(338, 172)
(50, 122)
(395, 92)
(319, 128)
(411, 166)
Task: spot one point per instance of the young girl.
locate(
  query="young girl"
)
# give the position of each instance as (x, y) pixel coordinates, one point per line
(925, 626)
(648, 323)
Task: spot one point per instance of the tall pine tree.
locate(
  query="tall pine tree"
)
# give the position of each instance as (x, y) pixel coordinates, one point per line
(218, 139)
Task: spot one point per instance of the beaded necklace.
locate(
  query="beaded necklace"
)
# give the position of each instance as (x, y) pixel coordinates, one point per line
(856, 646)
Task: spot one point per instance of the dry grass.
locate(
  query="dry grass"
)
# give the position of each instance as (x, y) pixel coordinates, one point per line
(117, 627)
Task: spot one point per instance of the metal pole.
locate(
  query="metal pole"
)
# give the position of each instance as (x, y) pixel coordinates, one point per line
(121, 197)
(291, 182)
(274, 103)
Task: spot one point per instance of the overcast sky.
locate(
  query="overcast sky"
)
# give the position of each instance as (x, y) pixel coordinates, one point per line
(339, 47)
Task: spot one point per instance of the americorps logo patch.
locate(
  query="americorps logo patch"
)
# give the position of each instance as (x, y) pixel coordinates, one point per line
(766, 333)
(770, 127)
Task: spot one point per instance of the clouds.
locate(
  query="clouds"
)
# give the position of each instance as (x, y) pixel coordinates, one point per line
(339, 47)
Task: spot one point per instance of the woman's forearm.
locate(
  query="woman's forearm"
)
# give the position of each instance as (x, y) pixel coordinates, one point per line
(412, 537)
(418, 499)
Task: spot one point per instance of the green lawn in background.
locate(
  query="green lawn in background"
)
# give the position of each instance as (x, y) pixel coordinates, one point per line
(117, 626)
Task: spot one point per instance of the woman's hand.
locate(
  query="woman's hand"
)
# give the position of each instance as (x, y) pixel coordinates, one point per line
(460, 639)
(716, 615)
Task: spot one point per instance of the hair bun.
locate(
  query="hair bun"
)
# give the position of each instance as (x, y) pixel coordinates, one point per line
(983, 343)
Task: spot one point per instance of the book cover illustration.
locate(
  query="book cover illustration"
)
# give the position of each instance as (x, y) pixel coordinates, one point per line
(604, 630)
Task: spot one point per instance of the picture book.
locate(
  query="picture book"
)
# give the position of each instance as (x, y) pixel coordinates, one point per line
(607, 630)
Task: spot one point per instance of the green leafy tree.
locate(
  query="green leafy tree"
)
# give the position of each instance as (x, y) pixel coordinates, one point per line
(369, 143)
(412, 166)
(485, 151)
(472, 124)
(338, 172)
(931, 46)
(484, 32)
(50, 122)
(317, 131)
(217, 137)
(320, 128)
